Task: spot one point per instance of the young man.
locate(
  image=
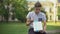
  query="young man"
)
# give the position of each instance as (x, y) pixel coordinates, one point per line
(36, 15)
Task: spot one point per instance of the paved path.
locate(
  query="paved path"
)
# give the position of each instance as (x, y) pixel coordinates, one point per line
(53, 31)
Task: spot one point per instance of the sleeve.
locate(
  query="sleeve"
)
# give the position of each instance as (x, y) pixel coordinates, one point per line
(44, 17)
(28, 16)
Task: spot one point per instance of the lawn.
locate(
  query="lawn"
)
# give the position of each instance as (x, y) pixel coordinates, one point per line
(21, 28)
(53, 26)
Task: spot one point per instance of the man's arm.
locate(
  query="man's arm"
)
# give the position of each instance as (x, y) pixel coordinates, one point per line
(44, 26)
(28, 17)
(44, 22)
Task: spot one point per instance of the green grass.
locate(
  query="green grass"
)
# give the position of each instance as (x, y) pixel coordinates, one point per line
(13, 28)
(53, 26)
(21, 28)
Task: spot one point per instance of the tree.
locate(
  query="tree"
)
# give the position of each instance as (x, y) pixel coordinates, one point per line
(1, 9)
(20, 9)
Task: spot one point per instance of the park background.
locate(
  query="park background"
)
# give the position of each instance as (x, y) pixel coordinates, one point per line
(13, 15)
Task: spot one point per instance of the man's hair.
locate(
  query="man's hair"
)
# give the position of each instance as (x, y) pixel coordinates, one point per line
(38, 4)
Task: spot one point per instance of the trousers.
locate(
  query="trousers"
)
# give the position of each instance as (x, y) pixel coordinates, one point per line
(31, 31)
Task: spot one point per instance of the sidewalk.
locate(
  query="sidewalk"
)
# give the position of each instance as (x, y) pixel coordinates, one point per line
(53, 31)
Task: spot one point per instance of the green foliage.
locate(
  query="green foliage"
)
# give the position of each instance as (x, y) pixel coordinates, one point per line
(3, 11)
(21, 9)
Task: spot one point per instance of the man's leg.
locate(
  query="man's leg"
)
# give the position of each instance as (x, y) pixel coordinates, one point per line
(44, 32)
(31, 31)
(40, 33)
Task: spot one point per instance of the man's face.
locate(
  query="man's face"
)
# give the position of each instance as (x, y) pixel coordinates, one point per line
(37, 9)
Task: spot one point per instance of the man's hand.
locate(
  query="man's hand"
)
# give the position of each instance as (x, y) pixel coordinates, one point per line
(42, 31)
(29, 21)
